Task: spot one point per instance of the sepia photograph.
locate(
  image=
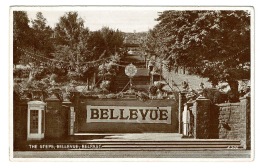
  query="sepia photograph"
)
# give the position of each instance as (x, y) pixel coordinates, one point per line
(131, 82)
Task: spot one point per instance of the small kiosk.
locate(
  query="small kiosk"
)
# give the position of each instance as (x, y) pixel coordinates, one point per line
(35, 120)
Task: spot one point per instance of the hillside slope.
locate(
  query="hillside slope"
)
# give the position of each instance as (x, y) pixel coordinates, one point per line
(193, 80)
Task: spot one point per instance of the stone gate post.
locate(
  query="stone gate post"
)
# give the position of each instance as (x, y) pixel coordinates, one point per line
(76, 105)
(56, 119)
(201, 111)
(244, 132)
(68, 108)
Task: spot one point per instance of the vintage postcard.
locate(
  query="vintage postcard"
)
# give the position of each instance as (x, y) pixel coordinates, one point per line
(127, 82)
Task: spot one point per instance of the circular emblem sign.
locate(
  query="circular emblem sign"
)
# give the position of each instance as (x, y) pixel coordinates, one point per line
(130, 70)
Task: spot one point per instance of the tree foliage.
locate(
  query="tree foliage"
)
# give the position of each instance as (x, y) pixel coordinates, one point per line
(71, 43)
(42, 36)
(21, 34)
(214, 44)
(106, 41)
(149, 43)
(70, 33)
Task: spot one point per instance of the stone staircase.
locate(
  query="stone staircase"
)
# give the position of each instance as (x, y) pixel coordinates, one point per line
(204, 144)
(140, 81)
(134, 142)
(141, 145)
(156, 141)
(121, 81)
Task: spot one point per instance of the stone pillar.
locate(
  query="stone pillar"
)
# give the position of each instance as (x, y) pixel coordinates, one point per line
(56, 119)
(245, 120)
(76, 105)
(69, 109)
(201, 111)
(182, 101)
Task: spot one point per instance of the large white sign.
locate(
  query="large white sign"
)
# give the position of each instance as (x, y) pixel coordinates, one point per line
(128, 114)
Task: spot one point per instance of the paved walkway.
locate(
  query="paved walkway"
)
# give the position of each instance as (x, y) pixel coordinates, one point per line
(141, 137)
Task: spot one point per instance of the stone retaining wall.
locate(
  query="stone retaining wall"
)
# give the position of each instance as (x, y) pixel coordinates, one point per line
(234, 121)
(223, 121)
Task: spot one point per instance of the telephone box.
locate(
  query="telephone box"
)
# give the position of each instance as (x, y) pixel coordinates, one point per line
(35, 120)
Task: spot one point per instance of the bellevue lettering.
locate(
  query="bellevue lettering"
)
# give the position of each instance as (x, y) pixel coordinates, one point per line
(128, 114)
(131, 114)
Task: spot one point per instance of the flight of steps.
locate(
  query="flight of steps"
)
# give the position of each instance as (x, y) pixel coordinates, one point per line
(120, 82)
(127, 145)
(141, 81)
(135, 142)
(169, 145)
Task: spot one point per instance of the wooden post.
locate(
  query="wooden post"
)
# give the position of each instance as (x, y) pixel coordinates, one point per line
(161, 70)
(94, 79)
(87, 84)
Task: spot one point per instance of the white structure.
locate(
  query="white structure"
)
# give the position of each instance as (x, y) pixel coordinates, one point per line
(35, 120)
(186, 121)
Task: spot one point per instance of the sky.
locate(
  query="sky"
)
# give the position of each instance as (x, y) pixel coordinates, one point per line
(124, 19)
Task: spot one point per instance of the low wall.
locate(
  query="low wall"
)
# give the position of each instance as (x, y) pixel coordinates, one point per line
(120, 126)
(20, 109)
(223, 121)
(230, 121)
(234, 121)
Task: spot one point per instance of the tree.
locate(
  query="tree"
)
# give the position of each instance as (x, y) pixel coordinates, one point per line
(97, 44)
(70, 32)
(106, 43)
(149, 43)
(42, 34)
(105, 40)
(213, 44)
(21, 34)
(71, 43)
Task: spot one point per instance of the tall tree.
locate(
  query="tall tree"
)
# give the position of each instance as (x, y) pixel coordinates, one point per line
(97, 44)
(69, 29)
(21, 34)
(213, 44)
(113, 39)
(71, 43)
(149, 42)
(107, 41)
(42, 35)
